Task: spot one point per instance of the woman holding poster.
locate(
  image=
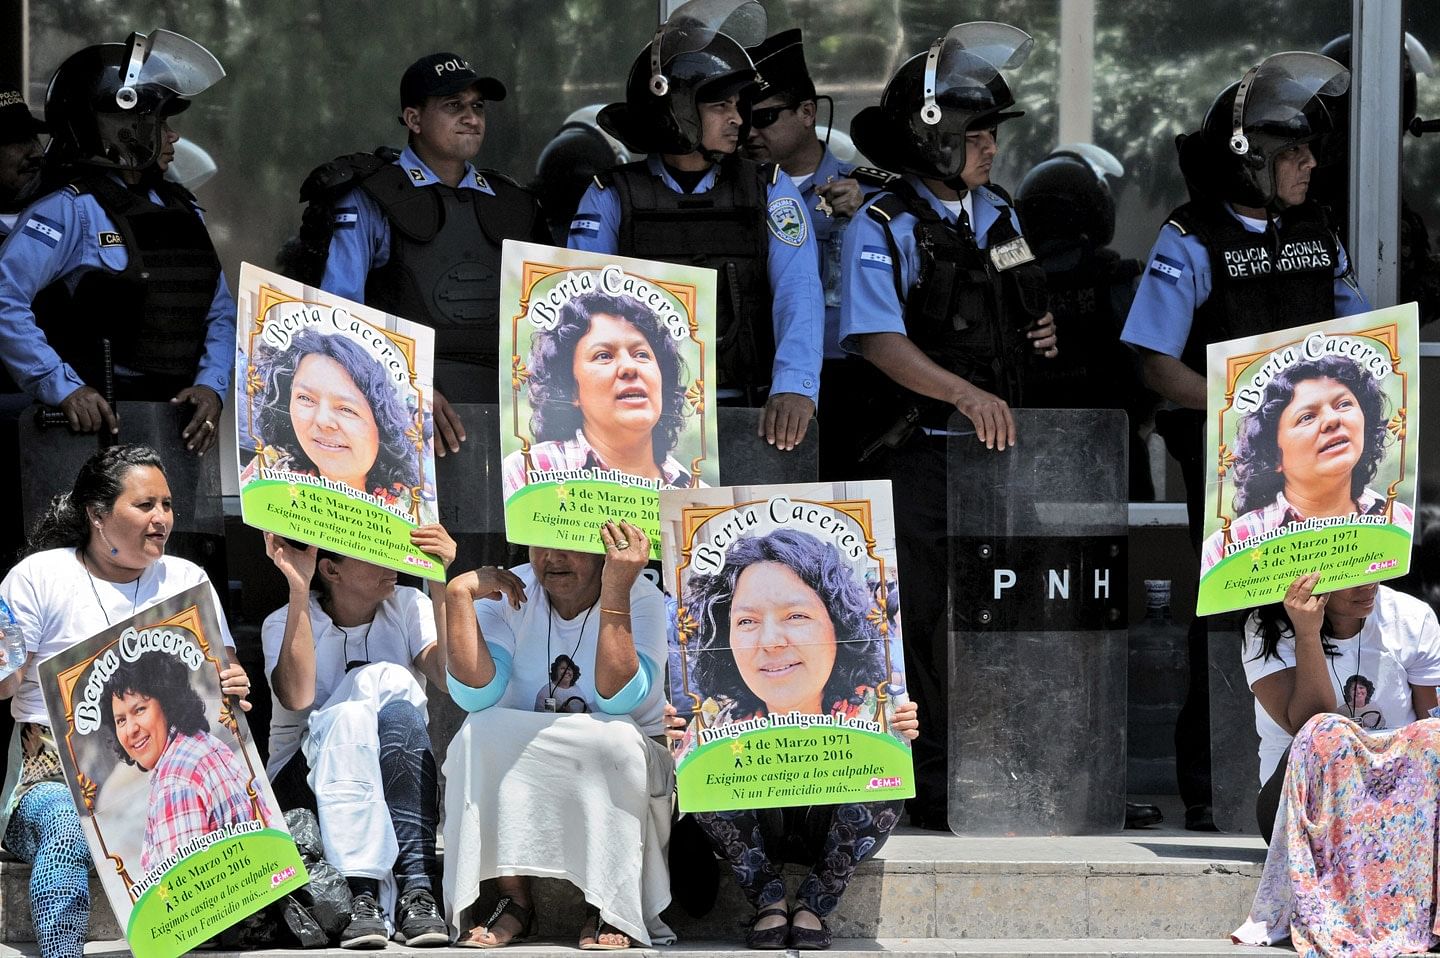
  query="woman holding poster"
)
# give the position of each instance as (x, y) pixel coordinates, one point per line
(196, 783)
(786, 627)
(607, 392)
(95, 559)
(1309, 450)
(330, 409)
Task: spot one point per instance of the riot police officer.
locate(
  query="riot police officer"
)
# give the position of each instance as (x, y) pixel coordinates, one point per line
(941, 293)
(119, 253)
(1068, 213)
(575, 154)
(20, 157)
(1248, 170)
(695, 201)
(419, 234)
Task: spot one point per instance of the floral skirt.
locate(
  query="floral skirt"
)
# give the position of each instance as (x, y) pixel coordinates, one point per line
(1352, 864)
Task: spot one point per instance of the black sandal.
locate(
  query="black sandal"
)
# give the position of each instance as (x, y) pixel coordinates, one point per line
(505, 906)
(769, 939)
(602, 927)
(808, 939)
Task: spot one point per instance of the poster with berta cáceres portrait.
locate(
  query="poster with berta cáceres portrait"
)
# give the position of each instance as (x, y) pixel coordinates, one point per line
(1313, 441)
(785, 653)
(182, 825)
(334, 422)
(610, 393)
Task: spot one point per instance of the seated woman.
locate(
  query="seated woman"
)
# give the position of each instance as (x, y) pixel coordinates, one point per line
(786, 626)
(1352, 797)
(584, 796)
(95, 559)
(347, 658)
(1308, 655)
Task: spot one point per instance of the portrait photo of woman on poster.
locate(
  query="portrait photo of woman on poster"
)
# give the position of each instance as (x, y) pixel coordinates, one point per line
(786, 626)
(1310, 449)
(607, 390)
(157, 723)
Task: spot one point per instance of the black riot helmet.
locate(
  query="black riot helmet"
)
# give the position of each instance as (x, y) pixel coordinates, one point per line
(577, 151)
(697, 56)
(1414, 58)
(936, 97)
(1064, 202)
(1277, 105)
(106, 104)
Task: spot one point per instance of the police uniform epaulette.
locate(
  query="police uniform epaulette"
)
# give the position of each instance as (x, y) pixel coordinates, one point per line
(342, 173)
(873, 176)
(774, 170)
(496, 175)
(1180, 227)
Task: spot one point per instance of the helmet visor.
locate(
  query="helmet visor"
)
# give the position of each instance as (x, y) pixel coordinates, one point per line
(167, 60)
(1274, 100)
(962, 66)
(694, 24)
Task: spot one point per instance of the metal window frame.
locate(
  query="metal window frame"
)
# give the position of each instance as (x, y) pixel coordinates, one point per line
(1373, 234)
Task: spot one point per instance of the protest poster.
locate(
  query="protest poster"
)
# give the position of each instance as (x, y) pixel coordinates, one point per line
(785, 649)
(610, 393)
(183, 827)
(334, 422)
(1312, 433)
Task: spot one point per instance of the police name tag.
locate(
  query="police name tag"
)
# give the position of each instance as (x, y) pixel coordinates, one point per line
(1014, 253)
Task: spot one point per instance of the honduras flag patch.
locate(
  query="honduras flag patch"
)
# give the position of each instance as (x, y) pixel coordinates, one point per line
(346, 217)
(44, 229)
(585, 224)
(876, 257)
(1164, 268)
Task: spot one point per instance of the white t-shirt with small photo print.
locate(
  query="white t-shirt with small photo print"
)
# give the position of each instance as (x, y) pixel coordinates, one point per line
(403, 627)
(59, 603)
(1399, 646)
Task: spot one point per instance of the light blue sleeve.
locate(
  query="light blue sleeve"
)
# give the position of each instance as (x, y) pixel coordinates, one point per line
(1175, 283)
(869, 301)
(595, 227)
(218, 360)
(1349, 299)
(48, 244)
(797, 299)
(475, 700)
(359, 243)
(634, 692)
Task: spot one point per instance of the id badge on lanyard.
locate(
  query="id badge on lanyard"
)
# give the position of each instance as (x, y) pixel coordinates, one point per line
(1010, 254)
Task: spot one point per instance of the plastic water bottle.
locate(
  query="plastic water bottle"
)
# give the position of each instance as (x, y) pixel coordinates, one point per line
(12, 640)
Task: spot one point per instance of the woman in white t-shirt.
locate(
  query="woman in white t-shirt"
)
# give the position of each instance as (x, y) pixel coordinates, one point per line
(96, 558)
(1368, 653)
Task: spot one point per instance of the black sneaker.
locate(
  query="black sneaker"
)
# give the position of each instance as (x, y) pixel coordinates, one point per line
(367, 924)
(419, 924)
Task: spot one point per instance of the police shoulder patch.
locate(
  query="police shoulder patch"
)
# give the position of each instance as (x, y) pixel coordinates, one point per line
(109, 238)
(787, 221)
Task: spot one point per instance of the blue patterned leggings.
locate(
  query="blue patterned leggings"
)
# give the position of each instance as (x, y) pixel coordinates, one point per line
(831, 839)
(45, 831)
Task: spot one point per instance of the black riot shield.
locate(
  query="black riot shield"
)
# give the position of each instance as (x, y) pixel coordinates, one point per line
(748, 460)
(1038, 643)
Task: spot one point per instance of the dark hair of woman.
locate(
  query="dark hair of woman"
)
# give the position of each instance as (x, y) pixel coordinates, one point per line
(1257, 448)
(164, 678)
(1358, 680)
(1274, 624)
(558, 667)
(66, 523)
(859, 648)
(396, 460)
(554, 417)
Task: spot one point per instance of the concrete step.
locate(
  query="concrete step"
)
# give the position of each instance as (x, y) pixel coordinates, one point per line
(895, 947)
(1157, 884)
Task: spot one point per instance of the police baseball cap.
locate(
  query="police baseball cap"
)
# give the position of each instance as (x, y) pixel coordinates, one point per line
(17, 123)
(441, 74)
(780, 62)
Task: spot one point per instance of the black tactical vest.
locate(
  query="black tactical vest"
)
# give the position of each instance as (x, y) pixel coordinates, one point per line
(1260, 282)
(723, 229)
(965, 313)
(444, 269)
(155, 311)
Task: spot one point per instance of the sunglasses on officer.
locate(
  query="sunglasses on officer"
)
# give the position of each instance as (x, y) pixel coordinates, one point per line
(766, 116)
